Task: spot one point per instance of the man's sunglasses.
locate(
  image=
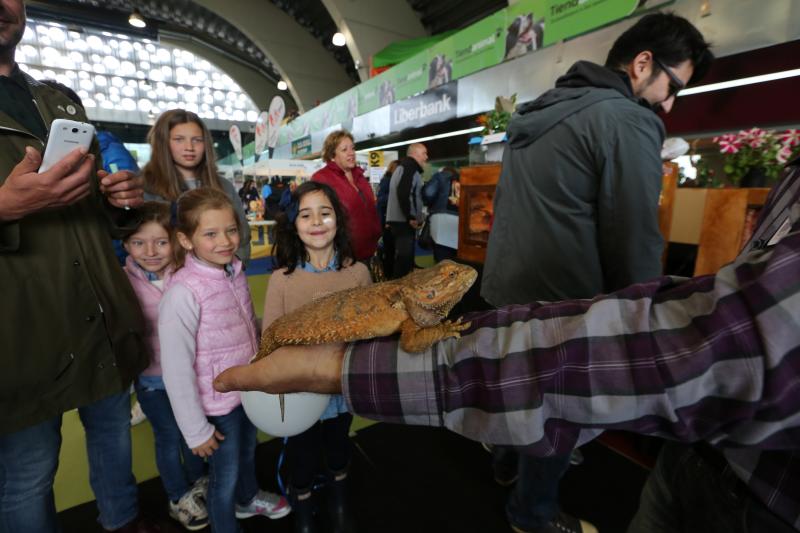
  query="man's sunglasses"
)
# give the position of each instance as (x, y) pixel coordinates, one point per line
(675, 83)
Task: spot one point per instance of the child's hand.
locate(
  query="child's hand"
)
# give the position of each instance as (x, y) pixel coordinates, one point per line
(209, 446)
(123, 188)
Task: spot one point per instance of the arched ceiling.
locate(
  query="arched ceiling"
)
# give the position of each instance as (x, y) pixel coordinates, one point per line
(173, 15)
(370, 26)
(285, 39)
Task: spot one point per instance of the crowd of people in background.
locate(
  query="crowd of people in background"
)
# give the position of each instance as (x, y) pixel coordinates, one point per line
(177, 319)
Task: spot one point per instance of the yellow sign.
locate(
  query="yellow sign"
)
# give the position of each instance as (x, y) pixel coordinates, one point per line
(376, 158)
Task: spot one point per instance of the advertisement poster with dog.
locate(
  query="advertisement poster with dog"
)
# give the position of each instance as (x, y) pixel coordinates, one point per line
(533, 24)
(524, 33)
(527, 26)
(474, 48)
(512, 32)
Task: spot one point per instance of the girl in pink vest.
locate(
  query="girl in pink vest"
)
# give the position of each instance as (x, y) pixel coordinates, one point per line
(313, 249)
(149, 267)
(206, 325)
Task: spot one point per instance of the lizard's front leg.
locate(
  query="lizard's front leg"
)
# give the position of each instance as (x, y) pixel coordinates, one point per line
(415, 339)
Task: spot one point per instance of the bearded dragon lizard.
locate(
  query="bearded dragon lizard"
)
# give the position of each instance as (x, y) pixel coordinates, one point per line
(414, 305)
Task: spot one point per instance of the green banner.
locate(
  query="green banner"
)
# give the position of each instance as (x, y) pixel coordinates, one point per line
(399, 51)
(566, 19)
(368, 95)
(474, 48)
(525, 27)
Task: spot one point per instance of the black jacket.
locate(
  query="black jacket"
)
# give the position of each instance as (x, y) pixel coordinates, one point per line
(405, 192)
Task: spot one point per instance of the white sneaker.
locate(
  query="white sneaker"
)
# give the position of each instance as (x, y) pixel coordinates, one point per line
(189, 511)
(200, 488)
(137, 415)
(264, 504)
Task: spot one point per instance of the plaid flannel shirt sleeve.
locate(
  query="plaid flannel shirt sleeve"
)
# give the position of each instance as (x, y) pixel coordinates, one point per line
(699, 359)
(712, 358)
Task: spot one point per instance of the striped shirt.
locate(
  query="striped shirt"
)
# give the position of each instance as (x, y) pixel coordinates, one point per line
(712, 358)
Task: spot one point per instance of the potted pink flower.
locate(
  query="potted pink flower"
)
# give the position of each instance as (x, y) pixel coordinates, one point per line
(755, 157)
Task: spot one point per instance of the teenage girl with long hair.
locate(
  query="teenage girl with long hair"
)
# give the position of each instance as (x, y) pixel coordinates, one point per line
(182, 158)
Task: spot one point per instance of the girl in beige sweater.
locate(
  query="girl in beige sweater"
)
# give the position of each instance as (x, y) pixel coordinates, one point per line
(314, 258)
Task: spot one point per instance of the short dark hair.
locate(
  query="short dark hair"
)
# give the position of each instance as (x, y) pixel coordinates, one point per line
(289, 250)
(672, 39)
(158, 212)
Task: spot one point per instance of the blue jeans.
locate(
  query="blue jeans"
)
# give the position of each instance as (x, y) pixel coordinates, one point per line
(107, 423)
(533, 501)
(29, 459)
(178, 466)
(328, 438)
(232, 470)
(28, 463)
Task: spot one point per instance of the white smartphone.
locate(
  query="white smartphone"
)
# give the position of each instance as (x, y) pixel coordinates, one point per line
(65, 136)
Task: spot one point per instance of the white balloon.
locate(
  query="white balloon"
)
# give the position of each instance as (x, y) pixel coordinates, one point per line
(302, 410)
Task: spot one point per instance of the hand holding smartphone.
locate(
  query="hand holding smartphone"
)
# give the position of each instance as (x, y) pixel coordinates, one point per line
(64, 137)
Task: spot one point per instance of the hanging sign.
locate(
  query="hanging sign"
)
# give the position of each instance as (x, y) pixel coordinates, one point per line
(235, 136)
(436, 105)
(301, 146)
(262, 127)
(376, 158)
(277, 110)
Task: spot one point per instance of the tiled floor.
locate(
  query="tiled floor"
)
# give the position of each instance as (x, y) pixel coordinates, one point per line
(423, 480)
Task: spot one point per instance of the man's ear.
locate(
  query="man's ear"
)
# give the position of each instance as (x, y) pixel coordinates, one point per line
(184, 241)
(641, 67)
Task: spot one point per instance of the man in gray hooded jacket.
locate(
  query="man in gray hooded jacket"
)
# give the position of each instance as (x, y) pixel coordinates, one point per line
(576, 206)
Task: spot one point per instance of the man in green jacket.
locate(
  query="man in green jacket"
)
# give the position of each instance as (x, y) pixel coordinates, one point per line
(72, 328)
(576, 206)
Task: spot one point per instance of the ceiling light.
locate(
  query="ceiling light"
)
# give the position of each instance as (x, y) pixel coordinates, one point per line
(338, 39)
(136, 20)
(740, 82)
(422, 139)
(282, 86)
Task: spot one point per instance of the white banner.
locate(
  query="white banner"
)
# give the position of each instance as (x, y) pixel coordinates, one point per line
(277, 110)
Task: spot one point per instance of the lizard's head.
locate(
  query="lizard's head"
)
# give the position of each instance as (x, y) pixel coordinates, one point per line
(438, 288)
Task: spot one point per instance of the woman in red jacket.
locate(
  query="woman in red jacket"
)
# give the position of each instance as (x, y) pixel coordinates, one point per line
(354, 191)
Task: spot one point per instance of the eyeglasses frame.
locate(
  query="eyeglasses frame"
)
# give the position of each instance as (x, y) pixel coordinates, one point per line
(676, 84)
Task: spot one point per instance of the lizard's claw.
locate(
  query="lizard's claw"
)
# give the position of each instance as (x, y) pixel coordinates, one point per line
(455, 326)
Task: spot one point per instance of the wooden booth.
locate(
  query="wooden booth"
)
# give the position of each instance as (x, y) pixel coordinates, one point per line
(476, 207)
(719, 222)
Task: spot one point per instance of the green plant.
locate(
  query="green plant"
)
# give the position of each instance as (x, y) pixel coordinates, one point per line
(706, 177)
(497, 119)
(757, 149)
